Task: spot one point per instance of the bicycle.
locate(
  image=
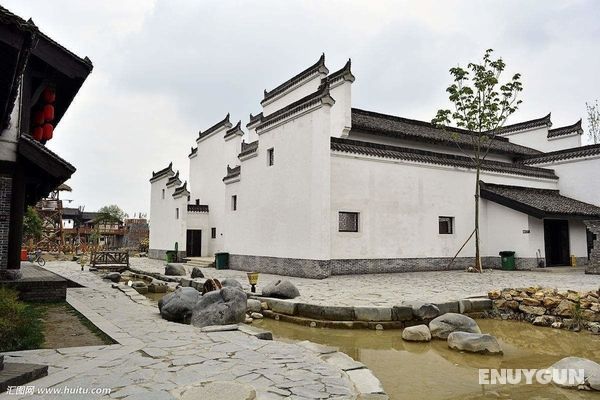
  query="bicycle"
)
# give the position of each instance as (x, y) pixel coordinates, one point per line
(36, 257)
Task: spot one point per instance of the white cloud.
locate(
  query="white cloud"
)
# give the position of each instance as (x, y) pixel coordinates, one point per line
(165, 69)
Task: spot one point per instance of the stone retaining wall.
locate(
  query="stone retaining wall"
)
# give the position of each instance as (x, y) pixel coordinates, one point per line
(544, 306)
(593, 266)
(399, 316)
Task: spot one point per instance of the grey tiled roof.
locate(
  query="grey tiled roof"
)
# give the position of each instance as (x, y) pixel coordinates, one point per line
(6, 17)
(181, 190)
(539, 203)
(193, 151)
(392, 126)
(430, 157)
(236, 130)
(520, 126)
(297, 106)
(233, 172)
(223, 123)
(345, 71)
(163, 172)
(248, 148)
(566, 154)
(566, 130)
(40, 147)
(197, 207)
(173, 179)
(254, 119)
(319, 66)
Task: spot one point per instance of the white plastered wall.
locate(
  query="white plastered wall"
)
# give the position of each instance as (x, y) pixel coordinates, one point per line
(400, 202)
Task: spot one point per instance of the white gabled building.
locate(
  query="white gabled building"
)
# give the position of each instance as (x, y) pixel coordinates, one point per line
(315, 187)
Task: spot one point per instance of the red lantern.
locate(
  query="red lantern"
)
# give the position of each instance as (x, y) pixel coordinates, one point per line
(38, 118)
(48, 129)
(38, 133)
(48, 112)
(49, 95)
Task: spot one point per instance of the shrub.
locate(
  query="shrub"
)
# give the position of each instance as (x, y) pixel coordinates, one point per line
(20, 324)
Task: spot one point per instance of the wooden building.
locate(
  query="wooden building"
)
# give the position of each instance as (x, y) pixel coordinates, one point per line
(39, 79)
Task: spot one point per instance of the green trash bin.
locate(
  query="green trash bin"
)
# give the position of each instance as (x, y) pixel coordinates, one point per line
(508, 260)
(171, 256)
(222, 260)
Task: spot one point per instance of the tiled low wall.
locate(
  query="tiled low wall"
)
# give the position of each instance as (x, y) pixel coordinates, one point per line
(162, 254)
(319, 269)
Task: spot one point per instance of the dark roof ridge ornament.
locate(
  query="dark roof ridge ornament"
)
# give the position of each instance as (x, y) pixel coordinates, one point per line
(236, 130)
(223, 123)
(344, 73)
(566, 130)
(318, 67)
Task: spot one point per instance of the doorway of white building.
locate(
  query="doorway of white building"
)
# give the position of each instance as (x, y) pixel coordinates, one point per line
(556, 239)
(193, 243)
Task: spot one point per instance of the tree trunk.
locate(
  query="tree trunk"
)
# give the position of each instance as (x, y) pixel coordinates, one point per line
(477, 251)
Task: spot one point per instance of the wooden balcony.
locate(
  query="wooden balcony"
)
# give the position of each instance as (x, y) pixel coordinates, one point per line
(86, 230)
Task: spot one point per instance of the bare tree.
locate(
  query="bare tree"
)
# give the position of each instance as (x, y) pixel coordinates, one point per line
(481, 105)
(593, 117)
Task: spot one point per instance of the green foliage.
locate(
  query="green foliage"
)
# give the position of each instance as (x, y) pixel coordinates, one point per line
(481, 103)
(20, 324)
(111, 214)
(32, 224)
(593, 117)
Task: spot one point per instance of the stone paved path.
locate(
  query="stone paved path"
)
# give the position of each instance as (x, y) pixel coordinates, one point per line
(155, 357)
(391, 289)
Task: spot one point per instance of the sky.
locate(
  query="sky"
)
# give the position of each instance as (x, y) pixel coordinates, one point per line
(163, 70)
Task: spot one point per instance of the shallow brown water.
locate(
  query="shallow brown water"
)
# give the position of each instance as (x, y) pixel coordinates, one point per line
(432, 371)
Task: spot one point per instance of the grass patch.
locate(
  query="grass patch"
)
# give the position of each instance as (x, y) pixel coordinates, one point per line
(64, 326)
(20, 323)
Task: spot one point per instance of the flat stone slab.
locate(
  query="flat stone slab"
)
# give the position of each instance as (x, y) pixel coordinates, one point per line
(365, 382)
(317, 348)
(216, 390)
(373, 313)
(258, 333)
(17, 374)
(219, 328)
(342, 361)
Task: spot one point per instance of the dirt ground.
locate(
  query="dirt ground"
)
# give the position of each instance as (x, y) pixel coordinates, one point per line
(65, 327)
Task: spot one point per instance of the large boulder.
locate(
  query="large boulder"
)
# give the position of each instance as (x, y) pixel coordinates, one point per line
(140, 287)
(474, 343)
(112, 276)
(220, 307)
(197, 273)
(591, 373)
(425, 310)
(175, 270)
(418, 333)
(282, 289)
(177, 306)
(230, 282)
(157, 286)
(444, 325)
(254, 305)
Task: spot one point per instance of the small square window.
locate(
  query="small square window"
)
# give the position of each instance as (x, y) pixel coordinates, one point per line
(446, 225)
(213, 233)
(163, 193)
(234, 202)
(270, 156)
(177, 213)
(348, 221)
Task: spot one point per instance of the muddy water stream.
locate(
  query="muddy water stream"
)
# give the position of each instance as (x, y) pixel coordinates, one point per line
(432, 371)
